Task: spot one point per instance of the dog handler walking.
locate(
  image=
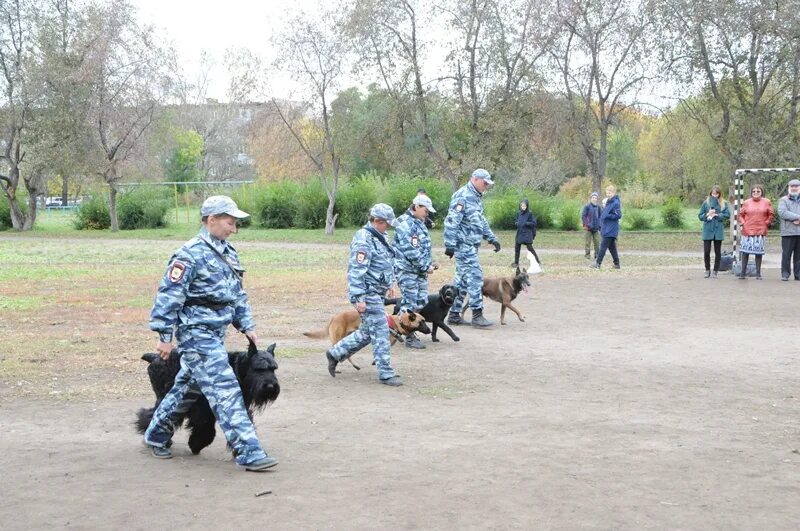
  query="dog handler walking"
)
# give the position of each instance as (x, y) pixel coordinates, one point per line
(370, 274)
(413, 262)
(199, 296)
(464, 228)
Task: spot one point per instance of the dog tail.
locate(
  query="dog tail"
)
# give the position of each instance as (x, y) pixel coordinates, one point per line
(150, 357)
(143, 418)
(319, 334)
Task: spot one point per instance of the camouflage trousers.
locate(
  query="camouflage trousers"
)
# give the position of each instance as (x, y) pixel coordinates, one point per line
(204, 366)
(373, 329)
(414, 291)
(468, 279)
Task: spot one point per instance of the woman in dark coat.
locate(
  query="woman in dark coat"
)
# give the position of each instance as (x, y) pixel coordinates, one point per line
(713, 213)
(526, 232)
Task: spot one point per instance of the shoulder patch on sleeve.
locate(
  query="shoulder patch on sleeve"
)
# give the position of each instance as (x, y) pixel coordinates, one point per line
(176, 271)
(414, 241)
(459, 207)
(361, 255)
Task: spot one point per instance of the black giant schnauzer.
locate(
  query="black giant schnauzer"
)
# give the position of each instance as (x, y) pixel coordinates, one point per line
(255, 370)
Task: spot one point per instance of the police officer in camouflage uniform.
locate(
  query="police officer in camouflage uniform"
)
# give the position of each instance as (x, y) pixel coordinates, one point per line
(370, 274)
(464, 227)
(413, 262)
(199, 296)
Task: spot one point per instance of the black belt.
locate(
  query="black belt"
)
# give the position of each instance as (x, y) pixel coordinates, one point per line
(192, 301)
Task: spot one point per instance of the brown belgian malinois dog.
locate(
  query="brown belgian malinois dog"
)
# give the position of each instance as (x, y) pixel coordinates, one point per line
(504, 290)
(346, 322)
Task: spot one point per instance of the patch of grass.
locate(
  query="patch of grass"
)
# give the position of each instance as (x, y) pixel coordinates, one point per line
(20, 303)
(294, 352)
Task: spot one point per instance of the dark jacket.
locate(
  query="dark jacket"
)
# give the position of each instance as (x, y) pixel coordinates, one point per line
(590, 217)
(526, 225)
(609, 218)
(714, 228)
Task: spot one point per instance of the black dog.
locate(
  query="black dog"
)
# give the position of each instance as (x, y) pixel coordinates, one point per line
(435, 312)
(255, 370)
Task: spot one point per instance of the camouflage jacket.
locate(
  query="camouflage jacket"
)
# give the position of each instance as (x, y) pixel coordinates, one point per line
(200, 289)
(371, 267)
(412, 245)
(465, 222)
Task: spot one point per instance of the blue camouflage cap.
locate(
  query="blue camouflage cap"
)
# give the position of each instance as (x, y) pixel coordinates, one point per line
(484, 175)
(221, 204)
(424, 200)
(383, 211)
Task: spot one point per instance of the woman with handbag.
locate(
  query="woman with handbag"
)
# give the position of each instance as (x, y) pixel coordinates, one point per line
(713, 213)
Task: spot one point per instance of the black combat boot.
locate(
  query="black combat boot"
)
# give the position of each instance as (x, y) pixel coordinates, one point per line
(412, 341)
(332, 363)
(454, 318)
(479, 321)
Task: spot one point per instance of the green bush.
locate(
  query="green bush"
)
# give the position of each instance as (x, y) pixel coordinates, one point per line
(5, 214)
(637, 220)
(277, 205)
(246, 198)
(142, 208)
(569, 217)
(578, 187)
(313, 206)
(93, 214)
(5, 208)
(639, 195)
(355, 198)
(542, 208)
(501, 210)
(672, 213)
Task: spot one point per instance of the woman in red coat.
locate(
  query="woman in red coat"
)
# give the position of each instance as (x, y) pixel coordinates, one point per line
(754, 218)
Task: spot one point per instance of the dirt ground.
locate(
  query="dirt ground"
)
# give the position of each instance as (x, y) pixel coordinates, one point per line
(656, 400)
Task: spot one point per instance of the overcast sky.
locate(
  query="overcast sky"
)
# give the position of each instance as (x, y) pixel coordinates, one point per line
(214, 26)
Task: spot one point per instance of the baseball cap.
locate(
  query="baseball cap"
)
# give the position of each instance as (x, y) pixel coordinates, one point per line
(221, 204)
(482, 174)
(383, 211)
(424, 200)
(794, 182)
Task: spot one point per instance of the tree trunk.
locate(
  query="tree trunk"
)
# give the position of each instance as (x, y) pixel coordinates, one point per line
(17, 217)
(64, 190)
(112, 208)
(330, 217)
(30, 217)
(602, 156)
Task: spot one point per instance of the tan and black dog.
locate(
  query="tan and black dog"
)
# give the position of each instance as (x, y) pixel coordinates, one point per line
(504, 290)
(345, 323)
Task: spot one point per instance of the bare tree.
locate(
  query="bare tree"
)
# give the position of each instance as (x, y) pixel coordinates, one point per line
(495, 58)
(388, 34)
(129, 81)
(602, 59)
(16, 34)
(314, 52)
(745, 58)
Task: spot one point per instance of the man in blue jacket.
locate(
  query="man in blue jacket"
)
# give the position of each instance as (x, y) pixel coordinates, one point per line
(464, 228)
(590, 218)
(609, 227)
